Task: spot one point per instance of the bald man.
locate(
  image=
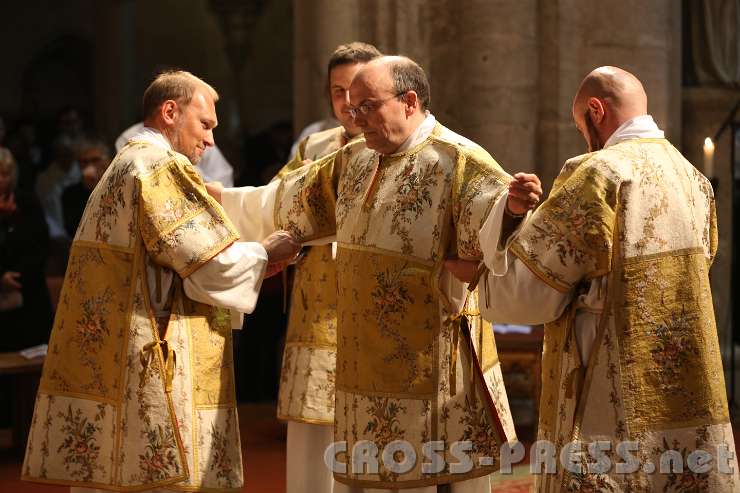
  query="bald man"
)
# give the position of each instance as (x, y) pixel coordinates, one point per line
(419, 396)
(615, 264)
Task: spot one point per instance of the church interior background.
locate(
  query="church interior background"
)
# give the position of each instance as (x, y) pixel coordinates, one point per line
(502, 72)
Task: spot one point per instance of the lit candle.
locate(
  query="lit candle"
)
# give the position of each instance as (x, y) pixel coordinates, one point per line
(708, 158)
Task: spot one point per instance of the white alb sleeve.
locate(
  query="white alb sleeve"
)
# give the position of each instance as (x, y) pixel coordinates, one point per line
(251, 209)
(232, 279)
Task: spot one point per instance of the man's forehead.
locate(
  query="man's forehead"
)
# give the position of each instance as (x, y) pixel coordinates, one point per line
(204, 104)
(369, 84)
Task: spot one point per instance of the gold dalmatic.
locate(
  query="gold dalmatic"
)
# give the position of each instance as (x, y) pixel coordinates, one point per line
(654, 376)
(309, 360)
(118, 407)
(407, 366)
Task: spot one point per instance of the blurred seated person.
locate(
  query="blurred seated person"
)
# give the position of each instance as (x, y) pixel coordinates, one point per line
(212, 166)
(61, 173)
(25, 306)
(93, 158)
(23, 143)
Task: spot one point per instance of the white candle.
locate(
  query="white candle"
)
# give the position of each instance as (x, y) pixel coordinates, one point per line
(708, 158)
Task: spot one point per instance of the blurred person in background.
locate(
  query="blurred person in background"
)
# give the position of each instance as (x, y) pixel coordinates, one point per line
(61, 173)
(25, 308)
(93, 158)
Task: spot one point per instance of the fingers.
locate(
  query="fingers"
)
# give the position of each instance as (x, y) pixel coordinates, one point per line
(281, 246)
(525, 187)
(525, 196)
(275, 268)
(464, 270)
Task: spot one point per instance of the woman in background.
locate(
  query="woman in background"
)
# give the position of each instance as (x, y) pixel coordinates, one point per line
(25, 306)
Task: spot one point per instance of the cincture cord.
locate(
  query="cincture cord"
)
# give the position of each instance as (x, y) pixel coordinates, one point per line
(460, 323)
(148, 352)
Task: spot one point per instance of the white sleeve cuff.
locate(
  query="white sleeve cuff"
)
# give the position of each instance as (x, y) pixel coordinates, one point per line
(495, 257)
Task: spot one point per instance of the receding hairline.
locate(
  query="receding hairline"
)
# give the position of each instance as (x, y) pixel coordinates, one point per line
(391, 62)
(176, 85)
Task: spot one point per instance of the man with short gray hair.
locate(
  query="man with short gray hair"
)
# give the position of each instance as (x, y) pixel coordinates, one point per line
(417, 376)
(137, 390)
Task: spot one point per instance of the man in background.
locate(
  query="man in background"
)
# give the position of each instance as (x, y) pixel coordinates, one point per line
(306, 397)
(93, 158)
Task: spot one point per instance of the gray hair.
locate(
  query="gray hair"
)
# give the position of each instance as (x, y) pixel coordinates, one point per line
(407, 75)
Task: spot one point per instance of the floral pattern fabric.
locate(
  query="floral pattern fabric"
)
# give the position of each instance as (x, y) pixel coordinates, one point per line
(396, 217)
(119, 408)
(640, 214)
(309, 361)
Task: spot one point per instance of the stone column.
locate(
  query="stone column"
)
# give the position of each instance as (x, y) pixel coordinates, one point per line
(483, 69)
(576, 37)
(115, 54)
(319, 26)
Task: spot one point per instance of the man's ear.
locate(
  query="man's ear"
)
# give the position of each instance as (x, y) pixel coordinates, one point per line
(412, 101)
(596, 110)
(169, 111)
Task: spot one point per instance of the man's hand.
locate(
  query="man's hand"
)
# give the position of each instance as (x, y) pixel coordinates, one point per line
(214, 190)
(525, 191)
(275, 268)
(464, 270)
(281, 247)
(10, 281)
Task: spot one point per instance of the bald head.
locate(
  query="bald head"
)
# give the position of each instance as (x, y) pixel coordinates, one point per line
(607, 97)
(622, 90)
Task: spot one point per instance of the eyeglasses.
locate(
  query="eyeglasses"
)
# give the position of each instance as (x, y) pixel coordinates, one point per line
(368, 107)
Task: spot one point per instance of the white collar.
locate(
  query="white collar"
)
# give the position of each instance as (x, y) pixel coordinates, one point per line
(419, 135)
(152, 136)
(639, 127)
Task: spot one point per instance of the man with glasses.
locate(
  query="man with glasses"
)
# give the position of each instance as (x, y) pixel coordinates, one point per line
(306, 397)
(416, 370)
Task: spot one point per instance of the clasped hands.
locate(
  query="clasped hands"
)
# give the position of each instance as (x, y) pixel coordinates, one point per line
(525, 191)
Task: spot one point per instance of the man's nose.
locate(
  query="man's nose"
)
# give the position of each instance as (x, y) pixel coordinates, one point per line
(209, 140)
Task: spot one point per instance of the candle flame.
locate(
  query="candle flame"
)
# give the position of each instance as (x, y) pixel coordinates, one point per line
(708, 144)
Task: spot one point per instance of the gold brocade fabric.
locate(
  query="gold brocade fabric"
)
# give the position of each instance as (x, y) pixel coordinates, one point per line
(118, 408)
(396, 218)
(640, 214)
(308, 370)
